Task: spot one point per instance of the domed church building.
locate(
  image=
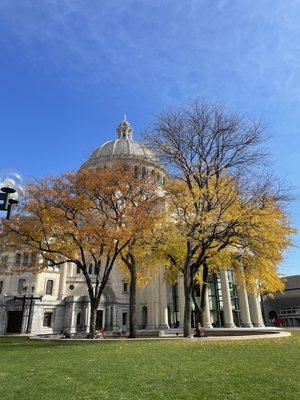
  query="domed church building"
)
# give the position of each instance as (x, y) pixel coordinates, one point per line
(56, 299)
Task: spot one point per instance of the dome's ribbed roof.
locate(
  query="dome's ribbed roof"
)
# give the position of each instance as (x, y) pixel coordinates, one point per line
(123, 147)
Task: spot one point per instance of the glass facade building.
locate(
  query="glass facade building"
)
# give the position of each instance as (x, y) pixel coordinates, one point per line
(215, 303)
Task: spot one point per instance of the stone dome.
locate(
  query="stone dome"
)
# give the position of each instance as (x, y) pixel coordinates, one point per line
(124, 147)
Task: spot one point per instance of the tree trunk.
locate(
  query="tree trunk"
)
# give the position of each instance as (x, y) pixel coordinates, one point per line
(204, 288)
(93, 318)
(198, 313)
(132, 302)
(187, 305)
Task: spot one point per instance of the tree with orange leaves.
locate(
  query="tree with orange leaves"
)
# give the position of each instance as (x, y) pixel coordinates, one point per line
(85, 218)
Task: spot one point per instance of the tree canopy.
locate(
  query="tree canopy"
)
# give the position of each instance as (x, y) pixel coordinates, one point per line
(225, 210)
(85, 218)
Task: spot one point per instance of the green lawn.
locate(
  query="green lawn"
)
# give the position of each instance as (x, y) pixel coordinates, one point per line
(258, 369)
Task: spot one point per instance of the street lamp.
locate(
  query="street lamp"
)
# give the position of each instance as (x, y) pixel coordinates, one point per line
(10, 190)
(5, 202)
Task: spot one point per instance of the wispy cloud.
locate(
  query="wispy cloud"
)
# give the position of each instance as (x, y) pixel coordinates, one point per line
(148, 54)
(192, 46)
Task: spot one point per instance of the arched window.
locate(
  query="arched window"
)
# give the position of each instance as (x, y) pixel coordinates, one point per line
(25, 259)
(144, 172)
(21, 286)
(136, 171)
(152, 175)
(49, 287)
(18, 259)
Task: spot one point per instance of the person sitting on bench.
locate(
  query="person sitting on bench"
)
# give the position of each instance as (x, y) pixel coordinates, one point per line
(199, 331)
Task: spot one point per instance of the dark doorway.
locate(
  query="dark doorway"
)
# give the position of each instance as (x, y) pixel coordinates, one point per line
(272, 315)
(99, 319)
(14, 322)
(144, 317)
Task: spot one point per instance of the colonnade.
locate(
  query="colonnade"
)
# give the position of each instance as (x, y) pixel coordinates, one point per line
(157, 304)
(249, 305)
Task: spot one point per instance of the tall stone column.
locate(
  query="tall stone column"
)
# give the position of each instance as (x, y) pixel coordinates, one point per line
(156, 300)
(206, 317)
(114, 317)
(87, 318)
(73, 316)
(163, 314)
(181, 301)
(39, 279)
(62, 280)
(2, 319)
(255, 311)
(150, 307)
(227, 307)
(39, 283)
(244, 305)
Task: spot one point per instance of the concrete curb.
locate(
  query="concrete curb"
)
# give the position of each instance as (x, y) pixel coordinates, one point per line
(170, 338)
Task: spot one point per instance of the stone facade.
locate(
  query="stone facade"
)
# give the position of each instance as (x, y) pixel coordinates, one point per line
(56, 299)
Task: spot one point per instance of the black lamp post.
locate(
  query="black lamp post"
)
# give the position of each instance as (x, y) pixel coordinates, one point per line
(24, 299)
(5, 202)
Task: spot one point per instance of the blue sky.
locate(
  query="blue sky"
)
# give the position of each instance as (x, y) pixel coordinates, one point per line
(70, 69)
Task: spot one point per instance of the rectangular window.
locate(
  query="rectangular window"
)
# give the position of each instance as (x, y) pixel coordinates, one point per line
(1, 286)
(21, 285)
(18, 259)
(78, 270)
(125, 287)
(32, 258)
(49, 287)
(25, 259)
(90, 269)
(47, 319)
(124, 318)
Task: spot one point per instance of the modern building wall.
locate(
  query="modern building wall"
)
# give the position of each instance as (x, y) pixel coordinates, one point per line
(284, 308)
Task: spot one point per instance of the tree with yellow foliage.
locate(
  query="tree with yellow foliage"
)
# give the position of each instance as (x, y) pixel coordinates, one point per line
(223, 210)
(85, 218)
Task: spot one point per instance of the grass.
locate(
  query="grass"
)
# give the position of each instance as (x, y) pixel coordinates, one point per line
(259, 369)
